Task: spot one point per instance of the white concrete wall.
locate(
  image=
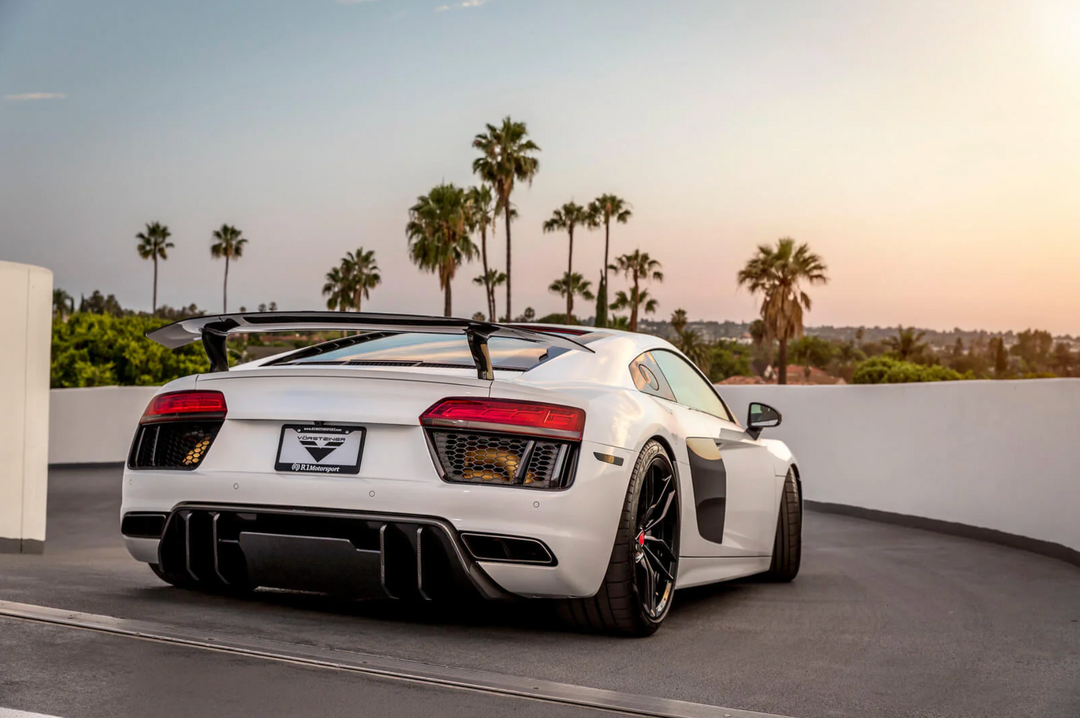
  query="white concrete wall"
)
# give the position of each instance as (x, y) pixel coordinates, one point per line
(95, 425)
(997, 455)
(1001, 455)
(26, 325)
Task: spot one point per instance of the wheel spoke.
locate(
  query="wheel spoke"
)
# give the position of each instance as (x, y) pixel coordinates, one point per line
(663, 512)
(661, 548)
(651, 558)
(667, 490)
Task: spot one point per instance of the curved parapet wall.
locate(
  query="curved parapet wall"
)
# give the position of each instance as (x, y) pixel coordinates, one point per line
(26, 326)
(997, 460)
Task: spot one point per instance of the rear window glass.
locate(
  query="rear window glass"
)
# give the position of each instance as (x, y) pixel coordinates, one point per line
(411, 349)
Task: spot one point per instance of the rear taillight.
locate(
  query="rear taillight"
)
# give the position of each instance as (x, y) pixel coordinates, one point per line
(507, 416)
(185, 406)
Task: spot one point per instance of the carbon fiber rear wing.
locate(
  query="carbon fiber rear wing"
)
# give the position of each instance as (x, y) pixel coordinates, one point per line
(214, 331)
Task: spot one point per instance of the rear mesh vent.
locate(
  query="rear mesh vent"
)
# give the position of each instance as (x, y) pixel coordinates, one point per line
(173, 445)
(475, 457)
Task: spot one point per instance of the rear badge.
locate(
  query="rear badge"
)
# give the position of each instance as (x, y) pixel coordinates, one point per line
(320, 449)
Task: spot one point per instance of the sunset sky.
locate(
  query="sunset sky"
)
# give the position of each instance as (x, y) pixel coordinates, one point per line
(929, 151)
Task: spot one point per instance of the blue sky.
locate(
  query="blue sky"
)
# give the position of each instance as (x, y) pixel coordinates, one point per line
(927, 150)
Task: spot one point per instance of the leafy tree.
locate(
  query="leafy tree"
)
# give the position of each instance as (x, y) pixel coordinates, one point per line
(565, 219)
(63, 304)
(813, 351)
(154, 244)
(696, 350)
(1033, 347)
(491, 280)
(175, 315)
(638, 267)
(483, 212)
(97, 303)
(1063, 359)
(726, 359)
(507, 155)
(571, 284)
(439, 236)
(907, 345)
(103, 350)
(603, 209)
(229, 243)
(778, 273)
(887, 370)
(601, 303)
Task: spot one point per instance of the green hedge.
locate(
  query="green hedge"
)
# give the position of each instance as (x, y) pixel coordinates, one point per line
(886, 370)
(103, 350)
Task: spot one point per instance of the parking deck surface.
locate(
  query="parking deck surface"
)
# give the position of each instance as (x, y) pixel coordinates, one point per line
(882, 621)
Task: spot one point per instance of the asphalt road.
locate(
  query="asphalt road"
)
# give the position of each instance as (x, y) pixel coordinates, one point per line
(882, 621)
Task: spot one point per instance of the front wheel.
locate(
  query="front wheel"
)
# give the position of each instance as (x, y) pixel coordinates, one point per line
(636, 594)
(787, 546)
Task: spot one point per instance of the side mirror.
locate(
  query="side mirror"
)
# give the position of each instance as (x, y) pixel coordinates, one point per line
(761, 416)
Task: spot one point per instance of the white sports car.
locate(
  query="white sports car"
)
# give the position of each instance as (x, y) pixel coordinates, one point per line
(429, 458)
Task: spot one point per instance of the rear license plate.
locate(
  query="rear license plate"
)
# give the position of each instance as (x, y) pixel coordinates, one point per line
(320, 449)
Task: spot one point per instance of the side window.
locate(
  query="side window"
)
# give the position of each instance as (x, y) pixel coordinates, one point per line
(648, 378)
(688, 385)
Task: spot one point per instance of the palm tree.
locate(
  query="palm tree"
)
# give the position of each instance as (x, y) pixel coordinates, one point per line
(337, 290)
(228, 244)
(603, 209)
(696, 350)
(778, 273)
(507, 155)
(491, 280)
(637, 267)
(438, 232)
(483, 211)
(363, 274)
(153, 244)
(907, 344)
(678, 321)
(571, 284)
(637, 301)
(63, 304)
(566, 218)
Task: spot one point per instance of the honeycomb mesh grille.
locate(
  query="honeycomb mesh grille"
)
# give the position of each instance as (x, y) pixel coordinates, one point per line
(481, 458)
(181, 445)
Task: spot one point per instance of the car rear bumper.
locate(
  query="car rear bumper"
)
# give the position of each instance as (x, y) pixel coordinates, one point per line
(576, 526)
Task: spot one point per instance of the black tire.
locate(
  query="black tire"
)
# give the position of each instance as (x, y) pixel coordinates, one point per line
(648, 529)
(787, 547)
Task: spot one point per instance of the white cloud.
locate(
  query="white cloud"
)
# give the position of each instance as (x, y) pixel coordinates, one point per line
(465, 5)
(35, 96)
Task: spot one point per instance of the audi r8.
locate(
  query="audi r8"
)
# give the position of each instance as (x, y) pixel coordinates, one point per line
(431, 458)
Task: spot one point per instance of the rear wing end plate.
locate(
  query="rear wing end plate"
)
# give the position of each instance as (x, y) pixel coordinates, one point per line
(213, 331)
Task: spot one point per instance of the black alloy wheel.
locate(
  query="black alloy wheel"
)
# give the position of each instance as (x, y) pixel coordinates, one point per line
(655, 552)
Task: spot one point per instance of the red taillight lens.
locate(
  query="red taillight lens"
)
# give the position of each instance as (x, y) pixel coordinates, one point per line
(185, 405)
(509, 416)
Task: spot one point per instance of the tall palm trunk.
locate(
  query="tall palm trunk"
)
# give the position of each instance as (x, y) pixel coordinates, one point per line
(357, 299)
(509, 308)
(634, 305)
(225, 289)
(607, 243)
(569, 271)
(447, 298)
(782, 359)
(154, 311)
(487, 278)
